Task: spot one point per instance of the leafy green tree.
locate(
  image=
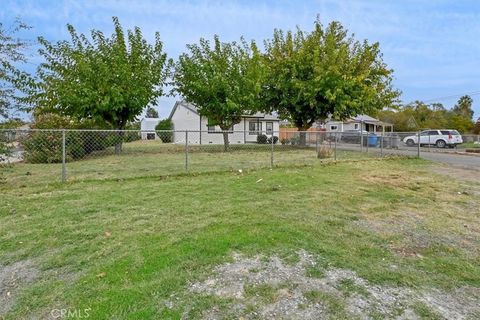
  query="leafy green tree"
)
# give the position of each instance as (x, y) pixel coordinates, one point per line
(463, 107)
(12, 79)
(314, 75)
(151, 113)
(12, 123)
(110, 79)
(223, 81)
(418, 116)
(403, 120)
(476, 127)
(460, 123)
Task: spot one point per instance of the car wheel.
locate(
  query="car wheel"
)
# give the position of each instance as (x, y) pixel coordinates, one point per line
(410, 142)
(441, 144)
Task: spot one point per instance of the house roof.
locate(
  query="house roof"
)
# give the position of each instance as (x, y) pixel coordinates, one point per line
(266, 116)
(193, 108)
(185, 104)
(365, 119)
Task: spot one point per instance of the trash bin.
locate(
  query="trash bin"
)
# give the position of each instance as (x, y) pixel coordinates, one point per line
(386, 142)
(372, 140)
(391, 141)
(395, 141)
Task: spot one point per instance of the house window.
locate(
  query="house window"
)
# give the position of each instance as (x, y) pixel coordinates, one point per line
(269, 127)
(356, 126)
(254, 127)
(333, 128)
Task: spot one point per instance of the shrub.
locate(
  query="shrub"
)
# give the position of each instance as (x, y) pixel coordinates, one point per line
(285, 141)
(324, 153)
(43, 147)
(275, 140)
(295, 140)
(262, 139)
(166, 126)
(46, 146)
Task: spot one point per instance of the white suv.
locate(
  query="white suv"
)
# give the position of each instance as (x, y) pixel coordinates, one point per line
(440, 138)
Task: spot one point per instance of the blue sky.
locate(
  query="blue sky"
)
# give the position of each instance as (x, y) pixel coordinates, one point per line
(433, 45)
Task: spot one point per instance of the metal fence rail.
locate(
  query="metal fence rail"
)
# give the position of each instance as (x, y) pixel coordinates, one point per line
(67, 155)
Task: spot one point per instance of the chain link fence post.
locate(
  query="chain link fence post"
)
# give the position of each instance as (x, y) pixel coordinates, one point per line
(381, 141)
(186, 150)
(418, 144)
(335, 146)
(361, 136)
(271, 152)
(64, 165)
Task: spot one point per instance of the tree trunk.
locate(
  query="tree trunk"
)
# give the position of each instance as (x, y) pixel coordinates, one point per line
(119, 143)
(303, 136)
(226, 143)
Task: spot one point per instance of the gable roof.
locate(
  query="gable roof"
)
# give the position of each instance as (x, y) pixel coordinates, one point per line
(193, 108)
(364, 118)
(185, 104)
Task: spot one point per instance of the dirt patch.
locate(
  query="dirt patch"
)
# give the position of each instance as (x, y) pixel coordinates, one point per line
(395, 180)
(13, 278)
(417, 237)
(269, 288)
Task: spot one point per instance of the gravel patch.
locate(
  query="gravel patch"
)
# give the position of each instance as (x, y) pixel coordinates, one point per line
(269, 288)
(13, 278)
(470, 174)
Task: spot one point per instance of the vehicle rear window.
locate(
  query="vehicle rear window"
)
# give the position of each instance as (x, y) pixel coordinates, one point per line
(455, 132)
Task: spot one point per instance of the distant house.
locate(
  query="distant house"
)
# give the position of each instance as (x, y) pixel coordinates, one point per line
(185, 117)
(149, 124)
(358, 123)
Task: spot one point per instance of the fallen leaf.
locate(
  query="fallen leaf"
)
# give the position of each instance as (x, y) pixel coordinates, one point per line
(259, 180)
(101, 275)
(108, 234)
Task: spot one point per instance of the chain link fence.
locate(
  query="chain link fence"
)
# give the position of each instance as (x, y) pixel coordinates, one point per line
(69, 155)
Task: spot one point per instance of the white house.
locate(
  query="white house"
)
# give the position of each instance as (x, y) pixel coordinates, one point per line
(185, 117)
(366, 123)
(149, 124)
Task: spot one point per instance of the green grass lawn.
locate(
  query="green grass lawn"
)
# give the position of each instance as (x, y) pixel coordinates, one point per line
(470, 145)
(121, 248)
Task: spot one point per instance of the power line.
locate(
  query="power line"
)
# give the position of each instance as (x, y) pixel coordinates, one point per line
(473, 93)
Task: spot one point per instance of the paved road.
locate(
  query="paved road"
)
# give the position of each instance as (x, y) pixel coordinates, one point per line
(457, 160)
